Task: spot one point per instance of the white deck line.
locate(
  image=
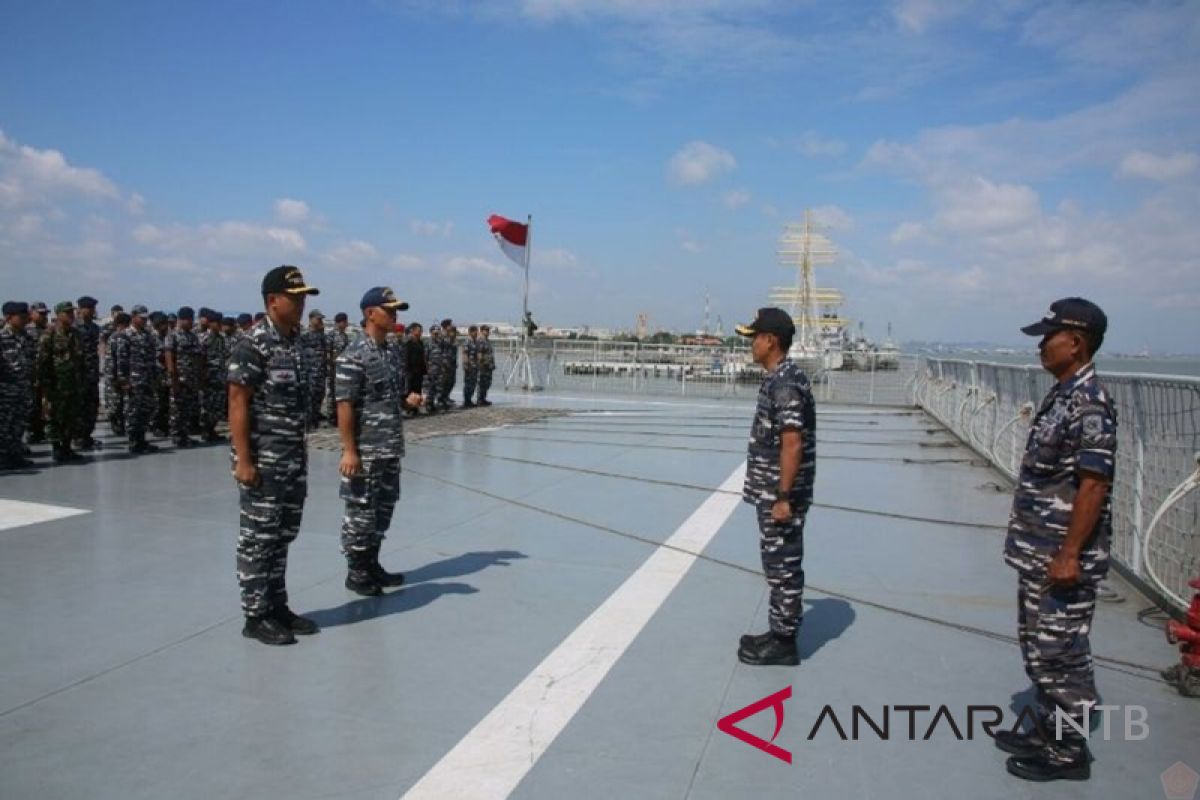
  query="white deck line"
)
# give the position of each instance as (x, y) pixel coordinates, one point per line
(489, 762)
(18, 513)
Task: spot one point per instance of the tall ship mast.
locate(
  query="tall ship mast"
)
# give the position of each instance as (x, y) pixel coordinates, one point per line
(819, 325)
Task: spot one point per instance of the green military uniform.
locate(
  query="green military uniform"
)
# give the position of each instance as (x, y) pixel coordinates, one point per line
(60, 371)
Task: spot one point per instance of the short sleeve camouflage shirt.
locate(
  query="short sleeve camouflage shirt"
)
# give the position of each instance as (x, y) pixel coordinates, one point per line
(785, 401)
(1074, 431)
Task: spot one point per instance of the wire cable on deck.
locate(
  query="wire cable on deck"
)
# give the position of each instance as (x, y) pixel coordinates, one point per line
(1116, 664)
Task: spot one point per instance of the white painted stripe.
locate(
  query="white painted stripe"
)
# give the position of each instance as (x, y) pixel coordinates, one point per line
(489, 762)
(18, 513)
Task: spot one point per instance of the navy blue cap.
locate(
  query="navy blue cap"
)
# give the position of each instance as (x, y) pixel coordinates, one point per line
(260, 315)
(16, 307)
(87, 302)
(186, 312)
(139, 311)
(1070, 314)
(227, 321)
(383, 297)
(243, 318)
(340, 317)
(769, 320)
(157, 317)
(39, 306)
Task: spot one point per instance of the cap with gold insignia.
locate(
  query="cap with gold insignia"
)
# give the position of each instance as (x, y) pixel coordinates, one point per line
(286, 279)
(383, 297)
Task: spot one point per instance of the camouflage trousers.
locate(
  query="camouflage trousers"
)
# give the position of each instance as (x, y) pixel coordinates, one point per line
(37, 422)
(485, 383)
(13, 416)
(161, 419)
(269, 523)
(470, 382)
(184, 399)
(140, 406)
(63, 419)
(371, 497)
(114, 406)
(782, 548)
(90, 409)
(432, 385)
(213, 400)
(1053, 623)
(316, 399)
(449, 378)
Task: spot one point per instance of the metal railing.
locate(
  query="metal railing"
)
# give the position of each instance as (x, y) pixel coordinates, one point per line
(991, 407)
(699, 371)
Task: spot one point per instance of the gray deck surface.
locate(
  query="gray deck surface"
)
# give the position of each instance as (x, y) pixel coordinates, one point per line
(125, 674)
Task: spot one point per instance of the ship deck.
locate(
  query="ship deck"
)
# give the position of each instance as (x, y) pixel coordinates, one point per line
(576, 589)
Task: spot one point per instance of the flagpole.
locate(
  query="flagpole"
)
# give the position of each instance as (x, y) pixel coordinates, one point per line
(528, 376)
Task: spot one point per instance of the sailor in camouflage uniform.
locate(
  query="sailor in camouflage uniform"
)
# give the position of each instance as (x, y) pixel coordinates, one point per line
(1058, 540)
(114, 400)
(60, 375)
(186, 368)
(316, 350)
(16, 385)
(371, 393)
(268, 415)
(89, 334)
(214, 397)
(449, 363)
(39, 315)
(435, 368)
(780, 471)
(487, 363)
(470, 366)
(336, 341)
(137, 375)
(162, 326)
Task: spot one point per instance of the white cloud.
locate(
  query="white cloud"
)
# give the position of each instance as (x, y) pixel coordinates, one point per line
(460, 266)
(813, 145)
(698, 162)
(690, 246)
(428, 228)
(1140, 164)
(556, 258)
(917, 16)
(233, 238)
(291, 212)
(29, 176)
(833, 217)
(136, 205)
(736, 199)
(906, 232)
(406, 261)
(976, 205)
(352, 255)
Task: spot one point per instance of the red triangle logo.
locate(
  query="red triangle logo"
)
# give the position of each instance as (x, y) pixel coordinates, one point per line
(775, 701)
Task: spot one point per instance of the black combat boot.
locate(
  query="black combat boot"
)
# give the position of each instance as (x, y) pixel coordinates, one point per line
(1039, 767)
(301, 626)
(381, 575)
(468, 404)
(268, 630)
(359, 577)
(773, 650)
(1019, 743)
(183, 442)
(484, 402)
(211, 436)
(58, 454)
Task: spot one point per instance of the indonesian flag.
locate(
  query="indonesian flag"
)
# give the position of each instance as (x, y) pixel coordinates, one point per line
(511, 236)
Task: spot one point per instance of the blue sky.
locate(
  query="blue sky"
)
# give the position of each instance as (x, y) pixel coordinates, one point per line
(972, 160)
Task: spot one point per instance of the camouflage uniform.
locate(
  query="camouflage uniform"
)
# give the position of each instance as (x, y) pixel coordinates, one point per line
(487, 365)
(16, 383)
(785, 401)
(89, 335)
(189, 376)
(449, 368)
(60, 376)
(214, 399)
(114, 401)
(470, 369)
(435, 368)
(336, 343)
(372, 378)
(316, 354)
(160, 421)
(136, 367)
(37, 422)
(1074, 431)
(272, 364)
